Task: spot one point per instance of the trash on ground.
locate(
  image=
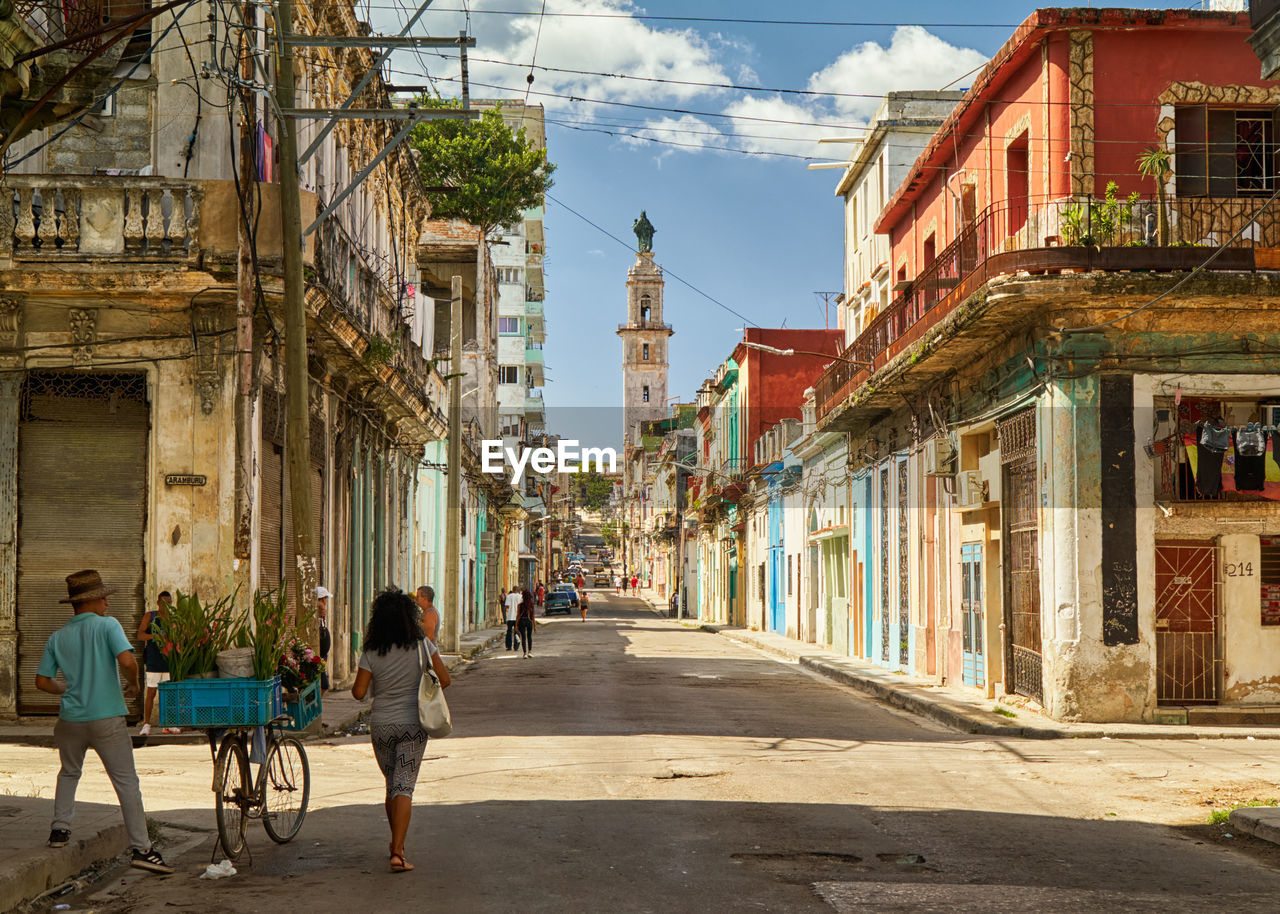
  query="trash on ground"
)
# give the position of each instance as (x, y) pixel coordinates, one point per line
(218, 870)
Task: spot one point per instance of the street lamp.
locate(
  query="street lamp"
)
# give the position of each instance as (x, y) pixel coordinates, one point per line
(823, 355)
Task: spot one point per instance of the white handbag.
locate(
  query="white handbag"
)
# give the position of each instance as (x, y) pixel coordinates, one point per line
(433, 710)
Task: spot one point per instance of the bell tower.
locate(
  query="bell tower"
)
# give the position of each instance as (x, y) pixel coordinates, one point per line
(644, 343)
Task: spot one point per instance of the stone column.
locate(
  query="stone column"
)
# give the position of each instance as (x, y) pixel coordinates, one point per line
(10, 387)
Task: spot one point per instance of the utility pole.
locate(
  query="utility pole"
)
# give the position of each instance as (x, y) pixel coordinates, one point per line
(245, 285)
(298, 430)
(451, 618)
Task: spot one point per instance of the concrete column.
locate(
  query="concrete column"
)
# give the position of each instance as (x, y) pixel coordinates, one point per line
(10, 388)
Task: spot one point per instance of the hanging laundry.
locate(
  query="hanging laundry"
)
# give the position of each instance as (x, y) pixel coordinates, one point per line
(1251, 458)
(1214, 440)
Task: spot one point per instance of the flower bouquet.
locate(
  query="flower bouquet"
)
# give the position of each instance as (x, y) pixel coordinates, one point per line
(299, 666)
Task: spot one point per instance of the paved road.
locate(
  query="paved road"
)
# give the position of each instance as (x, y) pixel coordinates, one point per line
(634, 765)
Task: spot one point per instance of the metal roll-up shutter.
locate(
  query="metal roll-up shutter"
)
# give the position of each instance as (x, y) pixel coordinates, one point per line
(269, 529)
(82, 503)
(317, 520)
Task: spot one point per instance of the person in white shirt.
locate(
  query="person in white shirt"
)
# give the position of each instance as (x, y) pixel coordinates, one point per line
(513, 609)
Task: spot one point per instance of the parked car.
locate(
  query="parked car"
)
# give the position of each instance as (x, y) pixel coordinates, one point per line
(603, 578)
(569, 589)
(559, 601)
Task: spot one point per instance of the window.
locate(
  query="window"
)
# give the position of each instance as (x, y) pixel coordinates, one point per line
(510, 274)
(646, 306)
(1017, 165)
(930, 250)
(1269, 579)
(1224, 152)
(510, 424)
(645, 396)
(509, 374)
(645, 353)
(788, 575)
(509, 325)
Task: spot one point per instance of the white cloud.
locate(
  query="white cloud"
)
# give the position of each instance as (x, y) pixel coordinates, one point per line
(914, 59)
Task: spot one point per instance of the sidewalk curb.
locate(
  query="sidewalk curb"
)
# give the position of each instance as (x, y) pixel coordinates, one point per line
(1262, 822)
(907, 696)
(23, 879)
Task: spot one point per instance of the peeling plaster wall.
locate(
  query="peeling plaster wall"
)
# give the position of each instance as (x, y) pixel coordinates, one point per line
(1083, 678)
(1251, 651)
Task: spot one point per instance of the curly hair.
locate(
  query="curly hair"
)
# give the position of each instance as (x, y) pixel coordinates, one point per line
(393, 622)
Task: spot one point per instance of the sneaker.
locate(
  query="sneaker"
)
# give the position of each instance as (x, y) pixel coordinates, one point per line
(171, 730)
(59, 837)
(144, 730)
(150, 860)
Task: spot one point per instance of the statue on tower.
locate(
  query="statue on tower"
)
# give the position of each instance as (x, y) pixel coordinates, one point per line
(644, 233)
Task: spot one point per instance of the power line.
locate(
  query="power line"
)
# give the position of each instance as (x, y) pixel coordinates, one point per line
(665, 271)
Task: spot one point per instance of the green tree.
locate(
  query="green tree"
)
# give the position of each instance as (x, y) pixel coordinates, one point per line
(497, 173)
(592, 489)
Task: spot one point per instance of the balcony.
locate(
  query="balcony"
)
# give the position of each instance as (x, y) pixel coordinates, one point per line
(534, 366)
(64, 217)
(646, 325)
(535, 411)
(366, 292)
(1060, 236)
(533, 225)
(534, 318)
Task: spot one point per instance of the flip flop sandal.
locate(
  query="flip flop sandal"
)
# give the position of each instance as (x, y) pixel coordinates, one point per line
(402, 867)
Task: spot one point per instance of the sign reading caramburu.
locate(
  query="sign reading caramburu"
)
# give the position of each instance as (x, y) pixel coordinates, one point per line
(565, 457)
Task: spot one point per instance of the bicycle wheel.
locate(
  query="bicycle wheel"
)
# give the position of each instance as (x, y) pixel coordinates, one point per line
(231, 792)
(286, 789)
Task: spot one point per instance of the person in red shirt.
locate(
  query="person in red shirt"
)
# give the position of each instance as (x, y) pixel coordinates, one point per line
(579, 582)
(542, 594)
(634, 581)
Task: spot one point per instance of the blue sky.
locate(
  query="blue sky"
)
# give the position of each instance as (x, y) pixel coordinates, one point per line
(758, 233)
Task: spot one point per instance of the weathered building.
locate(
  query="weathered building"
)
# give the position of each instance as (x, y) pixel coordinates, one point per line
(1046, 512)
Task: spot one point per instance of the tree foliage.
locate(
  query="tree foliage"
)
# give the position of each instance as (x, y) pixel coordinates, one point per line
(497, 173)
(592, 490)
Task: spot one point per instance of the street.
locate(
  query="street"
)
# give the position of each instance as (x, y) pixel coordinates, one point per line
(636, 765)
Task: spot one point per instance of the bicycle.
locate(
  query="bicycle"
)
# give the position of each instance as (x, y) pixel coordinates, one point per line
(278, 796)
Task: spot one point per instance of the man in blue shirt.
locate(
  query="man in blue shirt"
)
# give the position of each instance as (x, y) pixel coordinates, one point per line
(87, 651)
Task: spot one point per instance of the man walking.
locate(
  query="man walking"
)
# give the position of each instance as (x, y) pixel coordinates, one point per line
(154, 660)
(326, 639)
(426, 600)
(513, 615)
(92, 712)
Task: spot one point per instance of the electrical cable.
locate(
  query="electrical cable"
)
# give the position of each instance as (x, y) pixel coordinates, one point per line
(665, 270)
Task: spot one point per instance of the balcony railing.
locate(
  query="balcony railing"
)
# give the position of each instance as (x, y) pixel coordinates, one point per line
(358, 286)
(63, 216)
(57, 20)
(1056, 236)
(645, 325)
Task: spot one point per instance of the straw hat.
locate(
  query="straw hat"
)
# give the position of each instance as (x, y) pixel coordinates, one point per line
(86, 585)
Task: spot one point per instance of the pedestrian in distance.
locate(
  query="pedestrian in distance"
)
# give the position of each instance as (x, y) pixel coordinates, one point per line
(635, 580)
(391, 667)
(617, 584)
(584, 603)
(426, 600)
(513, 618)
(154, 662)
(579, 582)
(524, 621)
(91, 713)
(542, 594)
(326, 639)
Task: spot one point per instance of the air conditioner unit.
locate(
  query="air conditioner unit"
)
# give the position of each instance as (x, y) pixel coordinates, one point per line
(937, 456)
(970, 490)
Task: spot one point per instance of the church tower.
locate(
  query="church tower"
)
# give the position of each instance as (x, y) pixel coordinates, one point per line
(644, 343)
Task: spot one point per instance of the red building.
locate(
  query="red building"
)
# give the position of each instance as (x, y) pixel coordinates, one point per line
(772, 384)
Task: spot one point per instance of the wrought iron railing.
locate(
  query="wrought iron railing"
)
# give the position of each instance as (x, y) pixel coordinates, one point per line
(1052, 236)
(57, 20)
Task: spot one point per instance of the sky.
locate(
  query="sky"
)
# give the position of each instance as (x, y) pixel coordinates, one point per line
(738, 217)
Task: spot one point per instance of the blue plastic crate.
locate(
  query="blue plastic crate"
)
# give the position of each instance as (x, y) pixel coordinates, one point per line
(305, 710)
(220, 702)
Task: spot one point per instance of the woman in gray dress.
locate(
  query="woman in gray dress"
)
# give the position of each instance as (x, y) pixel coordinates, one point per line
(391, 666)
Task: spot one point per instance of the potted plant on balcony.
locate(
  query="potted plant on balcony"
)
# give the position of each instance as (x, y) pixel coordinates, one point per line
(1094, 223)
(1154, 163)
